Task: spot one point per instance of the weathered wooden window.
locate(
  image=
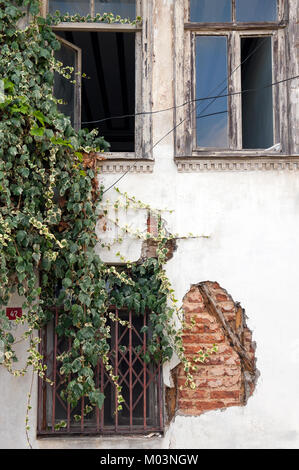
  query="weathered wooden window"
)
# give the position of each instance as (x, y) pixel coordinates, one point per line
(212, 79)
(140, 381)
(115, 86)
(69, 90)
(230, 54)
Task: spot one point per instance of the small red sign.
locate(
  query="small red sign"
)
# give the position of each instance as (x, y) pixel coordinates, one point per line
(13, 313)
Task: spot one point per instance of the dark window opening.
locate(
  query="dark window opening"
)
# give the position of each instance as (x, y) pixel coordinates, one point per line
(108, 61)
(257, 106)
(140, 382)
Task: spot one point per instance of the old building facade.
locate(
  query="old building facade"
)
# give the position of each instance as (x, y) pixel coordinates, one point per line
(215, 139)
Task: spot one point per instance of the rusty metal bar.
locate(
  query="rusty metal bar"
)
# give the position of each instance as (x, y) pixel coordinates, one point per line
(130, 370)
(44, 384)
(40, 389)
(54, 371)
(102, 390)
(82, 414)
(160, 396)
(116, 370)
(144, 374)
(41, 419)
(97, 386)
(68, 404)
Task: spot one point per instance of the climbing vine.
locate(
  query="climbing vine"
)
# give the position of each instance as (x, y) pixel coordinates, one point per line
(49, 203)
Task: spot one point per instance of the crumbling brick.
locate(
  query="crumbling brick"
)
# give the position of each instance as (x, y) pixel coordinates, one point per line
(228, 377)
(149, 247)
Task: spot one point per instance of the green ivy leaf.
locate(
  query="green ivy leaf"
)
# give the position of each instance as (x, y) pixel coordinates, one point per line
(97, 398)
(67, 282)
(76, 365)
(37, 131)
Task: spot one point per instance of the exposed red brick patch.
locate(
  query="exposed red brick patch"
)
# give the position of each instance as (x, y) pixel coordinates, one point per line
(149, 247)
(228, 377)
(226, 394)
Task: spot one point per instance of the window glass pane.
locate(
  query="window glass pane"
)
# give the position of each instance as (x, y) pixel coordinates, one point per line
(211, 80)
(257, 106)
(124, 8)
(73, 7)
(63, 88)
(210, 11)
(256, 10)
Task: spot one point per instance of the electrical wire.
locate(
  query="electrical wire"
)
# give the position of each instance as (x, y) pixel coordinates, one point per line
(190, 102)
(142, 113)
(199, 117)
(208, 105)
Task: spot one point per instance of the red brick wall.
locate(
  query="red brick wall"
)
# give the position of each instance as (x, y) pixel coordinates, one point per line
(228, 377)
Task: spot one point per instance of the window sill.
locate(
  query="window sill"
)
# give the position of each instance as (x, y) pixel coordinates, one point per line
(240, 26)
(123, 162)
(237, 162)
(94, 26)
(102, 442)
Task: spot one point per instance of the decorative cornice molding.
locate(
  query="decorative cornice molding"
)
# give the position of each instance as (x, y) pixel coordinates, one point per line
(120, 166)
(187, 165)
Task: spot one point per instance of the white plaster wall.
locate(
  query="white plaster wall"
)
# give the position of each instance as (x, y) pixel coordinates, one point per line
(252, 220)
(253, 252)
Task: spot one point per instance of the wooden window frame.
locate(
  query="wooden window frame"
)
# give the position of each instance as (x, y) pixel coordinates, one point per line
(143, 74)
(185, 82)
(78, 72)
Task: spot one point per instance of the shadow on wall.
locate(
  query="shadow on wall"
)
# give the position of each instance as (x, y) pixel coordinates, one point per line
(228, 377)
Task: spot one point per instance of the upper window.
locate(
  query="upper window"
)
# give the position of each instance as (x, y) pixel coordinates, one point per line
(213, 79)
(108, 80)
(229, 76)
(108, 86)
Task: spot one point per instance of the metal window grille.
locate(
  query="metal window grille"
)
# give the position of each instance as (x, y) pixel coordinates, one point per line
(141, 385)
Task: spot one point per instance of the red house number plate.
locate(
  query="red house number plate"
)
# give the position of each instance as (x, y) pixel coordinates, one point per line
(13, 313)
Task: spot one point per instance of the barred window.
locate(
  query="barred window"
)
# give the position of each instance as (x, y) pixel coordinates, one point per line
(140, 382)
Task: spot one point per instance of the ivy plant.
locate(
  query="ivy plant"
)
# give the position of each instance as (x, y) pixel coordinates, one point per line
(49, 198)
